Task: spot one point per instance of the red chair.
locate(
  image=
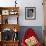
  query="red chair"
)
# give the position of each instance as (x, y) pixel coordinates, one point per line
(29, 33)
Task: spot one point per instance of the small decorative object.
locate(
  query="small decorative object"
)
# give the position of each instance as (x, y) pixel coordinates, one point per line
(5, 12)
(0, 19)
(7, 34)
(15, 30)
(15, 3)
(0, 36)
(0, 12)
(30, 13)
(6, 21)
(13, 12)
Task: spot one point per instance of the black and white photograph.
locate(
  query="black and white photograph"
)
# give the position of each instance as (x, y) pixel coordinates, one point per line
(30, 13)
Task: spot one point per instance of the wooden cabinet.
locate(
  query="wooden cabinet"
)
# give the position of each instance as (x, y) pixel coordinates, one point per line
(9, 25)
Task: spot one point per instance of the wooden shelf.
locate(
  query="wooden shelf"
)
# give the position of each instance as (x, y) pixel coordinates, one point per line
(4, 13)
(11, 26)
(9, 43)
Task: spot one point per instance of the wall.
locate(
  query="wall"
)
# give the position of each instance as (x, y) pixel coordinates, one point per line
(27, 3)
(39, 13)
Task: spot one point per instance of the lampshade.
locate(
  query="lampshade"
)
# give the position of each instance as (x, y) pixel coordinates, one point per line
(15, 30)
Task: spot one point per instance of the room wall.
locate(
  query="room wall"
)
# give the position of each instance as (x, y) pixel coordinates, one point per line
(26, 3)
(39, 13)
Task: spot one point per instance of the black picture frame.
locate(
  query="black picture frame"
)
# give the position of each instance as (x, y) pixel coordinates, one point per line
(30, 13)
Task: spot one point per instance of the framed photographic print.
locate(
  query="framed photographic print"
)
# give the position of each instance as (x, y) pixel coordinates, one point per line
(30, 13)
(5, 12)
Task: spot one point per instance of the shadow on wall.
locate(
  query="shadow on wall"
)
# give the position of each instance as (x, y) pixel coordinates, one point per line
(37, 29)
